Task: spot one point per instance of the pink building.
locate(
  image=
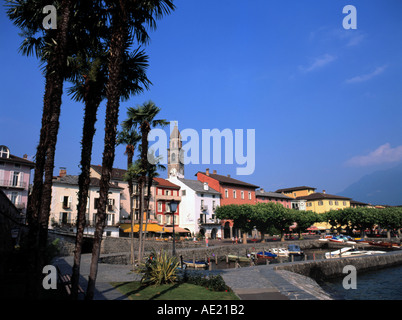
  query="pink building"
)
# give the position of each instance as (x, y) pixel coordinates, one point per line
(15, 173)
(266, 196)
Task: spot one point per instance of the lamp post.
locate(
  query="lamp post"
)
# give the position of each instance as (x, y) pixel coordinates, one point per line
(173, 207)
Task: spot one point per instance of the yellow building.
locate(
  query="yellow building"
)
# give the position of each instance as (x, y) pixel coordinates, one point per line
(295, 192)
(323, 202)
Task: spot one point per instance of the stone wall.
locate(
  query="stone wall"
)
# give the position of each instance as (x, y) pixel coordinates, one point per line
(332, 268)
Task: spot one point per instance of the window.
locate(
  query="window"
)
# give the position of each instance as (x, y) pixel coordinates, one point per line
(159, 206)
(4, 152)
(234, 194)
(159, 217)
(226, 193)
(213, 205)
(202, 204)
(167, 192)
(183, 192)
(66, 202)
(330, 202)
(14, 198)
(320, 203)
(336, 203)
(167, 206)
(16, 178)
(344, 203)
(249, 196)
(242, 194)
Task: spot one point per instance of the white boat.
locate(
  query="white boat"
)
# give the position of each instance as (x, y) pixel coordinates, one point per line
(337, 253)
(281, 252)
(350, 252)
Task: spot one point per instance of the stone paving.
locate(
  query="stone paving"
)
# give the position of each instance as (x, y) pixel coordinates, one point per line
(249, 283)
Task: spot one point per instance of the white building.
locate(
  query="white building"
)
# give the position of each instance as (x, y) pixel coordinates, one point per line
(197, 207)
(63, 210)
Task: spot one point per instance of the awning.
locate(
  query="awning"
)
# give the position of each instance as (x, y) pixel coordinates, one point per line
(151, 227)
(176, 230)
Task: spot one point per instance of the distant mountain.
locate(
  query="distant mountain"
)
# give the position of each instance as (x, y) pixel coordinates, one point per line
(380, 187)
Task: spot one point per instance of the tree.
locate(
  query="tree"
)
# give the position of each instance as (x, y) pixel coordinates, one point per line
(27, 15)
(130, 138)
(142, 118)
(243, 216)
(128, 20)
(304, 220)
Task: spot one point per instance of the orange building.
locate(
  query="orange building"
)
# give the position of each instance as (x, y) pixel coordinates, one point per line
(232, 191)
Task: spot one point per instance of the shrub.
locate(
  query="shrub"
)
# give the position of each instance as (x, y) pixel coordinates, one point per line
(160, 268)
(213, 283)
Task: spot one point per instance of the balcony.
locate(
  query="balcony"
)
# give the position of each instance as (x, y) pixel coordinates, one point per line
(168, 198)
(13, 184)
(204, 220)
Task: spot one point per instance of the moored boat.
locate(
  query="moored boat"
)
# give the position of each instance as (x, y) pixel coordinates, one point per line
(294, 249)
(196, 264)
(351, 252)
(266, 255)
(280, 252)
(233, 257)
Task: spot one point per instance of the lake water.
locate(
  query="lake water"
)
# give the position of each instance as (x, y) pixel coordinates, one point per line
(383, 284)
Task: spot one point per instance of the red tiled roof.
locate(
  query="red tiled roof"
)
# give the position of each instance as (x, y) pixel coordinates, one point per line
(229, 180)
(165, 183)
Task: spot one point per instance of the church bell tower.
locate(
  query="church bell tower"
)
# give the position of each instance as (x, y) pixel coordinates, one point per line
(175, 154)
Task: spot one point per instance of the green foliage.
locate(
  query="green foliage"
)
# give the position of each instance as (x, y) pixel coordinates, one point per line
(160, 268)
(213, 283)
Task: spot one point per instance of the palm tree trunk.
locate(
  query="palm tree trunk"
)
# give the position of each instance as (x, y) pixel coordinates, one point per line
(91, 107)
(38, 212)
(129, 151)
(141, 222)
(145, 128)
(113, 93)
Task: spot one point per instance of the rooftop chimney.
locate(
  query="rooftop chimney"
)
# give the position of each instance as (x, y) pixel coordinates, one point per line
(207, 171)
(25, 156)
(62, 172)
(214, 172)
(228, 175)
(323, 191)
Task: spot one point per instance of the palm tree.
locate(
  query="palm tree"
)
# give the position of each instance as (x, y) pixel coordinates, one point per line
(27, 16)
(130, 138)
(89, 79)
(128, 20)
(152, 173)
(143, 118)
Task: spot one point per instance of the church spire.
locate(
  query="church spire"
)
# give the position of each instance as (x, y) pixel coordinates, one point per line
(175, 166)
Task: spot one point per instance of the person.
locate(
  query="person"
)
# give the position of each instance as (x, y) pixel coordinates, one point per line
(206, 241)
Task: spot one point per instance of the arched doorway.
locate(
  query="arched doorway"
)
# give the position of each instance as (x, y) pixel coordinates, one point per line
(226, 230)
(213, 233)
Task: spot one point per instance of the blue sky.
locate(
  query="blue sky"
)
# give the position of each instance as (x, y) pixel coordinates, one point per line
(325, 102)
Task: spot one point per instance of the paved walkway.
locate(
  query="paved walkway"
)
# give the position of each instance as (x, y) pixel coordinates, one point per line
(249, 283)
(264, 283)
(107, 273)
